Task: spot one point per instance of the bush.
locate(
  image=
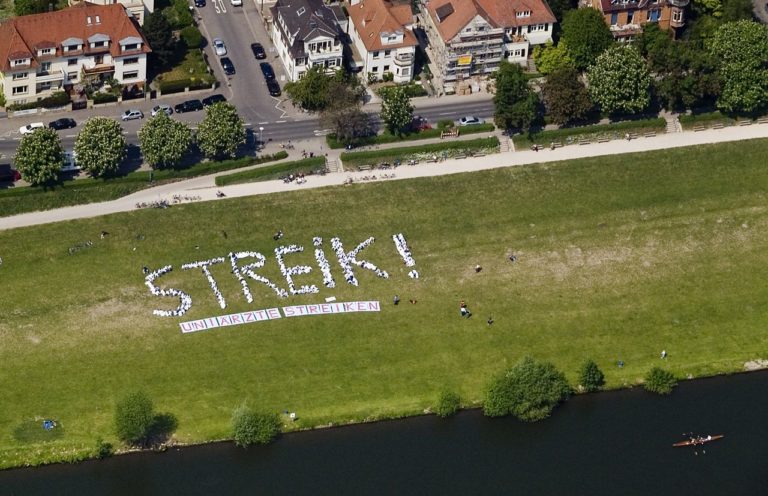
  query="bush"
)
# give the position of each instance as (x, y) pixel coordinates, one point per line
(104, 98)
(444, 123)
(387, 77)
(191, 37)
(411, 89)
(103, 449)
(613, 130)
(58, 99)
(251, 427)
(447, 404)
(174, 86)
(530, 391)
(659, 381)
(134, 418)
(273, 171)
(591, 377)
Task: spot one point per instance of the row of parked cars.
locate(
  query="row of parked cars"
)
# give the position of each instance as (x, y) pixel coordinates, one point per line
(188, 106)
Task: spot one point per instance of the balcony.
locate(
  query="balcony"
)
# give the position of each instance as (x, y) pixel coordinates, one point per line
(48, 76)
(326, 54)
(404, 60)
(680, 4)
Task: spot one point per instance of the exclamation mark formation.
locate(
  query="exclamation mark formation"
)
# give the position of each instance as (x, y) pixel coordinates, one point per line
(402, 248)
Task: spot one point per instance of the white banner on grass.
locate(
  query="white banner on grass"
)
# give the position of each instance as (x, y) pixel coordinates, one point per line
(230, 320)
(328, 308)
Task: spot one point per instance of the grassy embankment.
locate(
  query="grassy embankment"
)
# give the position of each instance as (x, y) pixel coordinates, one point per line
(618, 258)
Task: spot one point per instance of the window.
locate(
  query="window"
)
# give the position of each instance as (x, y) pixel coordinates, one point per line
(19, 75)
(71, 61)
(386, 68)
(130, 61)
(71, 48)
(300, 61)
(376, 54)
(375, 69)
(20, 90)
(481, 28)
(98, 59)
(99, 44)
(130, 75)
(677, 15)
(387, 52)
(45, 67)
(46, 51)
(524, 13)
(630, 16)
(614, 18)
(132, 46)
(72, 76)
(406, 71)
(653, 15)
(21, 62)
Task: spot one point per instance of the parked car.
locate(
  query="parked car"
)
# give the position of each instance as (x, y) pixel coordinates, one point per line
(70, 162)
(267, 70)
(258, 51)
(219, 47)
(199, 3)
(236, 3)
(29, 128)
(63, 123)
(132, 114)
(228, 66)
(208, 101)
(273, 87)
(188, 106)
(420, 123)
(8, 174)
(161, 108)
(469, 120)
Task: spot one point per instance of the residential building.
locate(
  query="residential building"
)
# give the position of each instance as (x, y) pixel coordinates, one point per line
(53, 51)
(627, 17)
(308, 33)
(137, 8)
(381, 34)
(470, 37)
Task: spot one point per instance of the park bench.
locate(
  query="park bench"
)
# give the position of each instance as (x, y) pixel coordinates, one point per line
(762, 120)
(364, 167)
(479, 154)
(650, 134)
(718, 125)
(698, 127)
(745, 122)
(603, 139)
(556, 144)
(432, 160)
(633, 136)
(584, 142)
(460, 156)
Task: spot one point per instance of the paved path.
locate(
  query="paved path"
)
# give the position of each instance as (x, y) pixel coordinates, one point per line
(206, 189)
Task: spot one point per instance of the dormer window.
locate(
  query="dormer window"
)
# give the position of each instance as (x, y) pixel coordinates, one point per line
(524, 13)
(46, 51)
(20, 62)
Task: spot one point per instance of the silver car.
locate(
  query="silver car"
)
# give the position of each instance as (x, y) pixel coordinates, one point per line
(219, 47)
(130, 115)
(161, 108)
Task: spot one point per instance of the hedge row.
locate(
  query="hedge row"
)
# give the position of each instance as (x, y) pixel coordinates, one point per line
(411, 89)
(58, 99)
(612, 130)
(174, 86)
(442, 149)
(273, 171)
(386, 137)
(104, 97)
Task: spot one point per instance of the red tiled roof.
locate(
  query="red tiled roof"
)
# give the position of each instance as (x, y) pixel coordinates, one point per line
(21, 37)
(498, 13)
(372, 17)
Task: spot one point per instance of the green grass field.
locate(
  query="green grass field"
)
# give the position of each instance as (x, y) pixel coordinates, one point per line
(618, 258)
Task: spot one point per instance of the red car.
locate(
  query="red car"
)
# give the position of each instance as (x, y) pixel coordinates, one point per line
(7, 174)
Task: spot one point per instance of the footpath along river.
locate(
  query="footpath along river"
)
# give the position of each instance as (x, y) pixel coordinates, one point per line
(615, 443)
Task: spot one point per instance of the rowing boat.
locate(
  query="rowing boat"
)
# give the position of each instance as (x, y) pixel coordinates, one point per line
(699, 440)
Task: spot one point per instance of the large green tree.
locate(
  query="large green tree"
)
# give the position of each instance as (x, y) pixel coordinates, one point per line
(164, 141)
(591, 378)
(159, 36)
(742, 49)
(221, 131)
(565, 96)
(550, 58)
(619, 81)
(134, 418)
(736, 10)
(530, 391)
(311, 92)
(345, 116)
(28, 7)
(396, 110)
(39, 157)
(515, 102)
(587, 36)
(100, 146)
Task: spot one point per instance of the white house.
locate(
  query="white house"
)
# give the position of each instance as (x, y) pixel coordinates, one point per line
(308, 33)
(137, 8)
(53, 51)
(381, 32)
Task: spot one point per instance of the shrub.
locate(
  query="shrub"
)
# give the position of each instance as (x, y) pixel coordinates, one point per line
(58, 99)
(444, 123)
(191, 37)
(387, 77)
(660, 381)
(104, 97)
(591, 377)
(103, 449)
(251, 427)
(447, 404)
(530, 391)
(174, 86)
(134, 418)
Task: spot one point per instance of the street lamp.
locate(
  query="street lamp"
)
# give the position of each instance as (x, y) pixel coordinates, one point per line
(261, 135)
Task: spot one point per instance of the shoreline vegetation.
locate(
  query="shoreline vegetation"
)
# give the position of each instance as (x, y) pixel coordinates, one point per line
(616, 259)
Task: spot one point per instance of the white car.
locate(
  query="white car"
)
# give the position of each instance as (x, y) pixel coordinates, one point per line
(29, 128)
(236, 3)
(219, 47)
(70, 162)
(161, 108)
(132, 114)
(469, 120)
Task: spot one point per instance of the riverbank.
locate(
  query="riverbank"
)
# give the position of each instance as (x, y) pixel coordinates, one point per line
(617, 258)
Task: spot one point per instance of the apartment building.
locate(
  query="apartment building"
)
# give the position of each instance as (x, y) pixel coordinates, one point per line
(627, 17)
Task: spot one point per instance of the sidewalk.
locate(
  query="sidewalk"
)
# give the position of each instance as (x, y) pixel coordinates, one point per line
(206, 189)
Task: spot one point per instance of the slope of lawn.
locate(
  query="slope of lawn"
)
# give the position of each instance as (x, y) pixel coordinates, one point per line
(617, 258)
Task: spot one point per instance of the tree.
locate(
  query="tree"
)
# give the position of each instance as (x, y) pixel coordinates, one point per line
(28, 7)
(552, 57)
(251, 427)
(39, 157)
(164, 141)
(344, 114)
(100, 146)
(560, 7)
(396, 110)
(311, 92)
(736, 10)
(619, 80)
(159, 36)
(221, 131)
(134, 416)
(447, 404)
(565, 96)
(529, 391)
(742, 49)
(587, 35)
(515, 103)
(191, 37)
(591, 377)
(659, 381)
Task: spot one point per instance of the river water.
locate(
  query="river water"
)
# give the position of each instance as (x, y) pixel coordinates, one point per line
(615, 443)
